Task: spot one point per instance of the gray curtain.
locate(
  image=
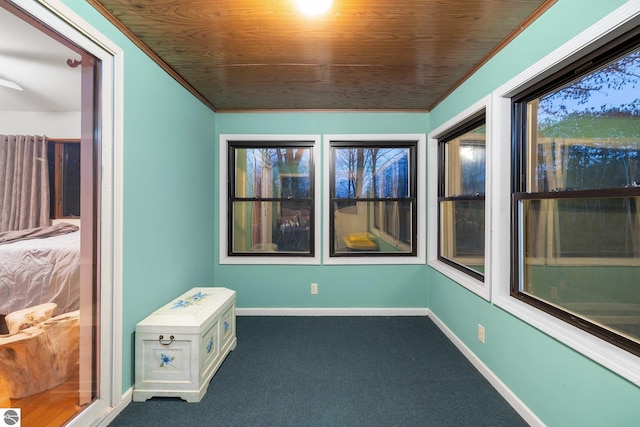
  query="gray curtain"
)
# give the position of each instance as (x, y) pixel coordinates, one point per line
(24, 182)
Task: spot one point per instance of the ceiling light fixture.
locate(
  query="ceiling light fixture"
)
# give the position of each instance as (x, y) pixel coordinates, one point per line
(313, 7)
(11, 85)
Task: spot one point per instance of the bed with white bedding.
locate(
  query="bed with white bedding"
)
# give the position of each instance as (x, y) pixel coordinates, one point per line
(41, 267)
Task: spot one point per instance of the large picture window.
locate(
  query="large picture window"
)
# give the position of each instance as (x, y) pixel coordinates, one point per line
(461, 197)
(373, 206)
(271, 198)
(576, 200)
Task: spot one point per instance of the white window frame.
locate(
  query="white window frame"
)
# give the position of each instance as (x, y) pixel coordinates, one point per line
(476, 286)
(225, 140)
(608, 355)
(420, 257)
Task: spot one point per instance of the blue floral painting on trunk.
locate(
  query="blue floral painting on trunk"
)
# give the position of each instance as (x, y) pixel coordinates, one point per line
(165, 360)
(190, 300)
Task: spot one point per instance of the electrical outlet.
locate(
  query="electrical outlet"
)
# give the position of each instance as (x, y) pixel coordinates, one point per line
(554, 292)
(481, 333)
(314, 289)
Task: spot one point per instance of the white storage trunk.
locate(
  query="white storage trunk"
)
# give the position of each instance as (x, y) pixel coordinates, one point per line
(181, 345)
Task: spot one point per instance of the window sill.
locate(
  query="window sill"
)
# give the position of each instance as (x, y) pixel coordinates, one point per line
(268, 260)
(472, 284)
(365, 260)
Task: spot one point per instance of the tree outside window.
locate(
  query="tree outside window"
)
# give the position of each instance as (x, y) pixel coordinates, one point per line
(373, 206)
(271, 199)
(578, 197)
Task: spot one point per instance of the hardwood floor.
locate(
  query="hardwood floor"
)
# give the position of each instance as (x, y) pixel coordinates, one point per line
(52, 408)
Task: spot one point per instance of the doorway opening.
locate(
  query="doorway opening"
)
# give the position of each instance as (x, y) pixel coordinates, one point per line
(55, 96)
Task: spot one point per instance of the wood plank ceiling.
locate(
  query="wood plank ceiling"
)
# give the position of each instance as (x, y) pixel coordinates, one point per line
(362, 54)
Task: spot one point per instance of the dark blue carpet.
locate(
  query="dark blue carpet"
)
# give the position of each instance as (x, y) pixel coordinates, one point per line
(336, 371)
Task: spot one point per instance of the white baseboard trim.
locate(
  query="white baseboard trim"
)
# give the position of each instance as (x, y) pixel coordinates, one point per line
(373, 311)
(127, 397)
(501, 387)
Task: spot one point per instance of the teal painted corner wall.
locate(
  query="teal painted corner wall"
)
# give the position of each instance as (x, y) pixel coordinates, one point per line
(167, 183)
(259, 286)
(561, 386)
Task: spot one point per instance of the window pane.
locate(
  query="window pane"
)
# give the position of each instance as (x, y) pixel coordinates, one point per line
(71, 180)
(273, 172)
(63, 158)
(585, 135)
(272, 227)
(371, 172)
(354, 230)
(465, 159)
(461, 193)
(462, 233)
(602, 292)
(582, 228)
(598, 228)
(535, 219)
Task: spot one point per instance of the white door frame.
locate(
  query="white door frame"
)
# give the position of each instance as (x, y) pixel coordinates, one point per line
(62, 19)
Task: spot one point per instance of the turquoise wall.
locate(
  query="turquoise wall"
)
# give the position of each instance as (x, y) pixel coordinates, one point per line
(168, 180)
(260, 286)
(562, 387)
